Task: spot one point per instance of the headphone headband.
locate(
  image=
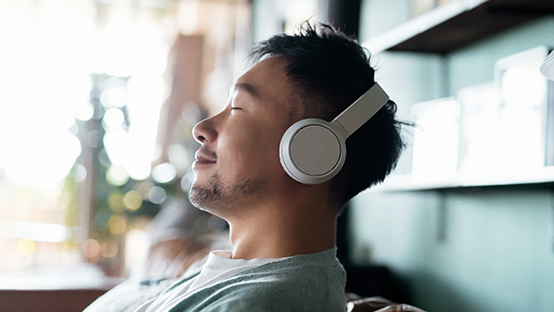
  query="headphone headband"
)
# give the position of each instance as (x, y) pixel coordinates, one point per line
(361, 110)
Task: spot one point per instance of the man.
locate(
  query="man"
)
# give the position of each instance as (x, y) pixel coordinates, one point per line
(282, 231)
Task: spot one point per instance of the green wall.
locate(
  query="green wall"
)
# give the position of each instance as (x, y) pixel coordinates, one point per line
(467, 250)
(492, 251)
(475, 64)
(378, 16)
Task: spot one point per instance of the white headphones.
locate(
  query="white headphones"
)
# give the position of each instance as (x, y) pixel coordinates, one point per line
(313, 151)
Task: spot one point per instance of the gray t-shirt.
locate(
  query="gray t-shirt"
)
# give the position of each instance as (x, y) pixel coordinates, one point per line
(218, 267)
(312, 282)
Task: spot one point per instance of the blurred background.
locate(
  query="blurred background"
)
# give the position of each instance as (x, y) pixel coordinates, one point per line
(97, 104)
(98, 99)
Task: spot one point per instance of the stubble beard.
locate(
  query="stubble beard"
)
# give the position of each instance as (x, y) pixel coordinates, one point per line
(215, 196)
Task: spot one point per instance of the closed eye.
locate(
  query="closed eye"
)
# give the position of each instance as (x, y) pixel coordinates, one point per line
(233, 108)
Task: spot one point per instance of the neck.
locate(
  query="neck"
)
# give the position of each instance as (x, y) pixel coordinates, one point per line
(281, 228)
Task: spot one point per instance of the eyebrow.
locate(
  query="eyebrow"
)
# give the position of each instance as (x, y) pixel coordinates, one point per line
(248, 88)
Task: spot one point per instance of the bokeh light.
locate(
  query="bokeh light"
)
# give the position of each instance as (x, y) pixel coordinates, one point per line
(113, 119)
(115, 202)
(117, 224)
(177, 155)
(80, 173)
(109, 249)
(143, 188)
(114, 97)
(90, 248)
(132, 200)
(164, 173)
(157, 195)
(138, 169)
(83, 110)
(116, 175)
(39, 232)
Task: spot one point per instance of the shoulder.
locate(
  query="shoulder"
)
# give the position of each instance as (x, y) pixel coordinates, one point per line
(285, 286)
(279, 295)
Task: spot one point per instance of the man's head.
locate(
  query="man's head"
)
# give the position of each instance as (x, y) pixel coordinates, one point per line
(309, 75)
(328, 72)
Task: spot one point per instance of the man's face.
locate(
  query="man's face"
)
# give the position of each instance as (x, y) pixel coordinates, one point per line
(238, 162)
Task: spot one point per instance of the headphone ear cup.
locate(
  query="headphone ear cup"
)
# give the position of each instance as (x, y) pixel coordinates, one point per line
(312, 151)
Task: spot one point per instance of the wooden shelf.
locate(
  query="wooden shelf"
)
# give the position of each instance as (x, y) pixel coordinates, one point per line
(407, 183)
(455, 25)
(446, 29)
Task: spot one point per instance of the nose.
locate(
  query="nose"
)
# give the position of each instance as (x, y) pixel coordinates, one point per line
(204, 131)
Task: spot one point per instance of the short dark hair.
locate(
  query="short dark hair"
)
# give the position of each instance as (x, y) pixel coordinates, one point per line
(329, 71)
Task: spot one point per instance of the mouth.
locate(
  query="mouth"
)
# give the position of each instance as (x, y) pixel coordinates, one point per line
(204, 158)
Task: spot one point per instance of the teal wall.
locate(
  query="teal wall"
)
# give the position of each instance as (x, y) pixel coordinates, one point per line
(467, 250)
(475, 64)
(495, 253)
(379, 16)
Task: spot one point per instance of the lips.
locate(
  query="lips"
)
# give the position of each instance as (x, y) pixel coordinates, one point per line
(205, 158)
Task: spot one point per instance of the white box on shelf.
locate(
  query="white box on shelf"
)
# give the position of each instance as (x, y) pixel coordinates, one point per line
(479, 130)
(523, 103)
(435, 144)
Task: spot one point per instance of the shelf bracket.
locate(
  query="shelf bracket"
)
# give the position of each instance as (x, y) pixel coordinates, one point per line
(551, 225)
(441, 217)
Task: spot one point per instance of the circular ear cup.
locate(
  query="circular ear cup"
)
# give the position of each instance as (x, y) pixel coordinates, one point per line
(312, 151)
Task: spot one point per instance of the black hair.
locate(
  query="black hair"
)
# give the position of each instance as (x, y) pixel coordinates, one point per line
(329, 71)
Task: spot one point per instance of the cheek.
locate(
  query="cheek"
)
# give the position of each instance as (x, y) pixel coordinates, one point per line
(255, 151)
